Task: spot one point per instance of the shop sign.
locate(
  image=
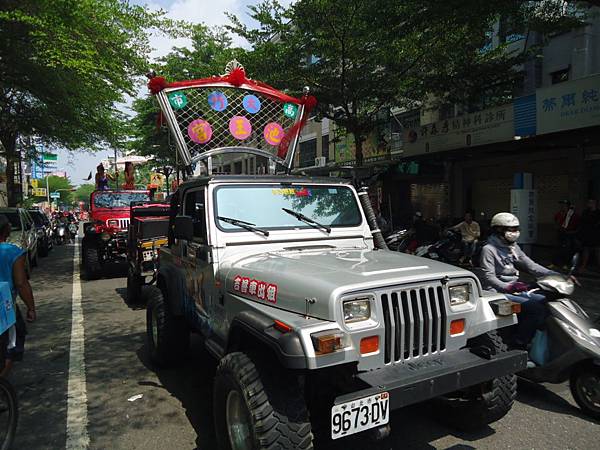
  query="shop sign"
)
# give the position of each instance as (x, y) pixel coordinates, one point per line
(480, 128)
(569, 105)
(523, 204)
(402, 130)
(375, 147)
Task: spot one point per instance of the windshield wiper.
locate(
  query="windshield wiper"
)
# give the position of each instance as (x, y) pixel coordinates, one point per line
(245, 225)
(308, 220)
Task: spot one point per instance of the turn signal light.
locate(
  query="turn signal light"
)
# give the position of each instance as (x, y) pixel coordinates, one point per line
(457, 327)
(282, 326)
(328, 341)
(369, 344)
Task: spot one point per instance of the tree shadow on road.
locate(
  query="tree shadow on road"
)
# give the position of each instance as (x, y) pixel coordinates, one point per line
(540, 397)
(191, 383)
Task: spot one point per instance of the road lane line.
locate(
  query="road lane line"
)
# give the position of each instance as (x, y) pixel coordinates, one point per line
(77, 419)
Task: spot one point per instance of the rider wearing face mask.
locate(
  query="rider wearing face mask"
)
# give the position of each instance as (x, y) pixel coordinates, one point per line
(501, 260)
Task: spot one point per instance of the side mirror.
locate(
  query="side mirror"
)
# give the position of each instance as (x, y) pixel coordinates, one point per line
(184, 228)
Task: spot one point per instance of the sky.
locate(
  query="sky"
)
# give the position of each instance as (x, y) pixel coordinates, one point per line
(210, 12)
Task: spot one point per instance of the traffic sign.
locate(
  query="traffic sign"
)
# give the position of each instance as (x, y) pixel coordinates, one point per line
(54, 194)
(157, 178)
(38, 192)
(34, 183)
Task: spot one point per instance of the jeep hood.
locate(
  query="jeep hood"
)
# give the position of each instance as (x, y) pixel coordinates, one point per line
(287, 278)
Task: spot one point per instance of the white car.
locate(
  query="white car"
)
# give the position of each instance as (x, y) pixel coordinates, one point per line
(22, 233)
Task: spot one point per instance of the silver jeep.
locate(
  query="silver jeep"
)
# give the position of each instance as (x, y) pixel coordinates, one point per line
(314, 327)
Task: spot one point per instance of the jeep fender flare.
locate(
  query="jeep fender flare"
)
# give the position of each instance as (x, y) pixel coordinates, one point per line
(169, 281)
(252, 328)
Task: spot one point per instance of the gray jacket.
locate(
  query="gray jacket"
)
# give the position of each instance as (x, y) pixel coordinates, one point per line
(500, 264)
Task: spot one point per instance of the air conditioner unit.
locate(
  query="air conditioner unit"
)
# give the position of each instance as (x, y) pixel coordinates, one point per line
(320, 161)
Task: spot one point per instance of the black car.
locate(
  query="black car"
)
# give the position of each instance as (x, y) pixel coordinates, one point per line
(44, 231)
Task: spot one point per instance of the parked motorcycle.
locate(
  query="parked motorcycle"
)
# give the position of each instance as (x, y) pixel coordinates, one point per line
(399, 240)
(569, 346)
(449, 249)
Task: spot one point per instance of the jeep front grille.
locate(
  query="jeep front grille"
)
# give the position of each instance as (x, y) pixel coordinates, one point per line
(415, 322)
(123, 223)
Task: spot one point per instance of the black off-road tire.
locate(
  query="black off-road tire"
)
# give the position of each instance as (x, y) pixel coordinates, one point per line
(134, 287)
(172, 339)
(272, 397)
(581, 393)
(92, 269)
(10, 414)
(486, 402)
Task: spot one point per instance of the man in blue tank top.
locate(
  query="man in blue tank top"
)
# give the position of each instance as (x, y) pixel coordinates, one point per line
(12, 271)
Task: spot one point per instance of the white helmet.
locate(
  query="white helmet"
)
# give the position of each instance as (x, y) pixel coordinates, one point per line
(505, 219)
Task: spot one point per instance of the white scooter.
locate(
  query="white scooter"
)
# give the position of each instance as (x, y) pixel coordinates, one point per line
(569, 346)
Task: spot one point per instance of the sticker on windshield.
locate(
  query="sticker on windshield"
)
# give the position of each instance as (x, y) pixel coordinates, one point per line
(251, 104)
(256, 288)
(303, 192)
(332, 191)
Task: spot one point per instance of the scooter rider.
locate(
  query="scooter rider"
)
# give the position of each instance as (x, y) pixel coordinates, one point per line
(501, 260)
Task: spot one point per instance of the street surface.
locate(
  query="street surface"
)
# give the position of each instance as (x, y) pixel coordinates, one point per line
(175, 411)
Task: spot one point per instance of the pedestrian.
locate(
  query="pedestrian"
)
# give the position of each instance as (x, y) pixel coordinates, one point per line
(12, 271)
(566, 221)
(129, 176)
(102, 178)
(470, 232)
(589, 234)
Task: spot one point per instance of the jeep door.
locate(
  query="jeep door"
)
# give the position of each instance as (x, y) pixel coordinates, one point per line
(197, 260)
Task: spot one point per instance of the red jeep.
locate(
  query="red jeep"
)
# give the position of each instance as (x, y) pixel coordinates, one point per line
(105, 235)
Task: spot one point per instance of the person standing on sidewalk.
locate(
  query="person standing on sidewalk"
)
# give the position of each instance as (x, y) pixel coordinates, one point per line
(470, 232)
(589, 234)
(567, 224)
(12, 271)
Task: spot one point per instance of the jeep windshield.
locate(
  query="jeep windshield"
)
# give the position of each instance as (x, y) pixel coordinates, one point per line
(118, 199)
(264, 206)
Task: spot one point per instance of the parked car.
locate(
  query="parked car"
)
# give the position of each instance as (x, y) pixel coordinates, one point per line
(44, 231)
(23, 233)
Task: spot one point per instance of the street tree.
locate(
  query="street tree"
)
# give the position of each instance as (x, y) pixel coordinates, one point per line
(363, 57)
(61, 185)
(210, 51)
(64, 65)
(82, 193)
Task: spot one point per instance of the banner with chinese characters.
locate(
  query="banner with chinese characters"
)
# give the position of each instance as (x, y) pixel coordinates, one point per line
(480, 128)
(375, 147)
(569, 105)
(523, 204)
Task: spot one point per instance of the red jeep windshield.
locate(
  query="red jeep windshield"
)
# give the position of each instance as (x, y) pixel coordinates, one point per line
(118, 199)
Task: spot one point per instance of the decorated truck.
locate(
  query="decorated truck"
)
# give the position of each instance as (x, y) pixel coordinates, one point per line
(105, 234)
(317, 328)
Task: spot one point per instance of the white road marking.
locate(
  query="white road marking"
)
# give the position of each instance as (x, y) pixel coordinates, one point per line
(77, 419)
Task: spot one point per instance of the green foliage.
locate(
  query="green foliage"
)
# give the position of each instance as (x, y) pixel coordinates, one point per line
(363, 57)
(60, 184)
(82, 193)
(63, 66)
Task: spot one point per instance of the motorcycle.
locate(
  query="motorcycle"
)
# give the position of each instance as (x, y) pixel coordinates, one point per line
(449, 249)
(569, 346)
(398, 240)
(60, 233)
(73, 230)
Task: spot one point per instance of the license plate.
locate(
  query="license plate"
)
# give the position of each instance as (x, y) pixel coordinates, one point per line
(360, 415)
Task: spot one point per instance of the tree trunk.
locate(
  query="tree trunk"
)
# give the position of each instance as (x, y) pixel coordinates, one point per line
(358, 141)
(14, 192)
